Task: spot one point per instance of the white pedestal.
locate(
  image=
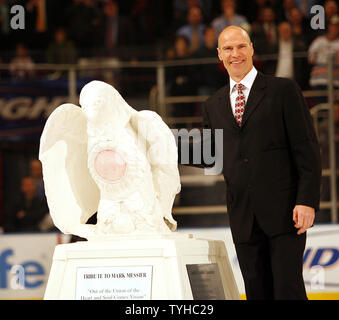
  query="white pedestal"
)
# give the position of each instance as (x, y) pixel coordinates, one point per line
(174, 267)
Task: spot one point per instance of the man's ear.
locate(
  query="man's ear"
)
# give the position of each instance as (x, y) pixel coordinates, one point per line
(219, 54)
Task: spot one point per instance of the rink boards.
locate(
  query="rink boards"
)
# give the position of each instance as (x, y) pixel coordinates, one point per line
(25, 261)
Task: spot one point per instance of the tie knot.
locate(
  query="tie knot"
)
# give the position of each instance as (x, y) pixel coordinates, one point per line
(239, 86)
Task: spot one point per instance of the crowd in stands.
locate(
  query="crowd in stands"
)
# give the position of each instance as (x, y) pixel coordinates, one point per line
(64, 31)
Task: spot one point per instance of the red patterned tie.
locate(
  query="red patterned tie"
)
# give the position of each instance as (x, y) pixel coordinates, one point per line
(239, 103)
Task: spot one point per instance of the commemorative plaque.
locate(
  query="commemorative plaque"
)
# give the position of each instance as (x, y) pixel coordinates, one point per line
(114, 283)
(205, 281)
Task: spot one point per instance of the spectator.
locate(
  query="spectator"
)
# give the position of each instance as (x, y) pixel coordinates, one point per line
(288, 64)
(28, 211)
(179, 77)
(208, 77)
(288, 5)
(149, 19)
(267, 33)
(37, 13)
(82, 18)
(194, 29)
(331, 9)
(115, 30)
(318, 57)
(36, 31)
(61, 50)
(4, 18)
(35, 168)
(229, 17)
(179, 50)
(300, 26)
(257, 14)
(41, 16)
(181, 8)
(265, 39)
(21, 66)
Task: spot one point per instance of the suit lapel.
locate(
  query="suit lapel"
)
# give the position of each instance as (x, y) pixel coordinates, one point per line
(256, 94)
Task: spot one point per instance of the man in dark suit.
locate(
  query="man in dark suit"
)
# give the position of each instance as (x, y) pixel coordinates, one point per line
(115, 30)
(271, 165)
(28, 211)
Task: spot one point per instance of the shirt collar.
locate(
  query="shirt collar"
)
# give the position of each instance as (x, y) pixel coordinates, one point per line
(247, 81)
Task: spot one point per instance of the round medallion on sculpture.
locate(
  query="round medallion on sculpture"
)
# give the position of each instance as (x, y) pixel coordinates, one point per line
(110, 165)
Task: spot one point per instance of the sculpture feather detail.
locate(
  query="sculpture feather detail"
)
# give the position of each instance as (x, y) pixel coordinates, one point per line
(163, 157)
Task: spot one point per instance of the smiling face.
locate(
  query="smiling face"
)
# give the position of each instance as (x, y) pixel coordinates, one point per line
(235, 50)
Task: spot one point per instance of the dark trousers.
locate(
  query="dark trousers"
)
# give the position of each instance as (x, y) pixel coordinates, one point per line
(272, 266)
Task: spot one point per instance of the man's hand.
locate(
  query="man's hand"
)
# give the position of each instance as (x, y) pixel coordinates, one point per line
(303, 216)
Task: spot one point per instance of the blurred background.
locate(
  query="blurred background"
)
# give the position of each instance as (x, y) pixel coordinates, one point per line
(160, 55)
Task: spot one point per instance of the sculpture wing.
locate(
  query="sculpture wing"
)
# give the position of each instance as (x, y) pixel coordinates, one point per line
(71, 193)
(163, 156)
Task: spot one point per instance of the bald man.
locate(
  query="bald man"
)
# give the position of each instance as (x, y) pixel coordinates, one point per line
(271, 166)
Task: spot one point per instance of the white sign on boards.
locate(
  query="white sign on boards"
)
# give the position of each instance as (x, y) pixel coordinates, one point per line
(114, 283)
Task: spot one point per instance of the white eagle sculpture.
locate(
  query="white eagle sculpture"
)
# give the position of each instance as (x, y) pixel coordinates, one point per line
(108, 158)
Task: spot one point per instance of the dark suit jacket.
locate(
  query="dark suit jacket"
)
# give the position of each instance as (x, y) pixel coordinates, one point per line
(270, 163)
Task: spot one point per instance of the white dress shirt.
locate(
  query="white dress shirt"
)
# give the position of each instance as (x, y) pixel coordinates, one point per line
(247, 81)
